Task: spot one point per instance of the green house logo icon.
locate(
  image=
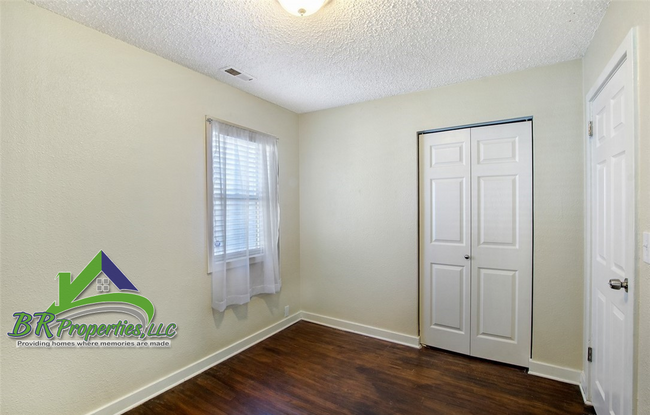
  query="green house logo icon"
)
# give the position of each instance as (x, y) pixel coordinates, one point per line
(103, 274)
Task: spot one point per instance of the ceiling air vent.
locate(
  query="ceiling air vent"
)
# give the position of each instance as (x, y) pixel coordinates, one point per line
(237, 74)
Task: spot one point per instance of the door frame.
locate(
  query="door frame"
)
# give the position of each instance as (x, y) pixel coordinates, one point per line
(625, 52)
(419, 216)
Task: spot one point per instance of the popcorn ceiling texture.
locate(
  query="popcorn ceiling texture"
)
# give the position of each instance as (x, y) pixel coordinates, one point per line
(352, 50)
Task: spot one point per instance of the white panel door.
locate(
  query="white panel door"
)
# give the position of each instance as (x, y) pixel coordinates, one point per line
(476, 241)
(445, 239)
(502, 246)
(612, 256)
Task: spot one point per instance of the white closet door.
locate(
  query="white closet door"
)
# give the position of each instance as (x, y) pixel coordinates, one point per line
(501, 255)
(445, 239)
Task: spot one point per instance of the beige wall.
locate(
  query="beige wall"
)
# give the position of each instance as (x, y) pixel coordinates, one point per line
(358, 200)
(103, 148)
(620, 18)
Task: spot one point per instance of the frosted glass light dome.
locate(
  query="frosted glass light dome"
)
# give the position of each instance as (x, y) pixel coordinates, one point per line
(302, 7)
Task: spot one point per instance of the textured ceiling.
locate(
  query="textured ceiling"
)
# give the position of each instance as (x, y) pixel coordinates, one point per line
(351, 50)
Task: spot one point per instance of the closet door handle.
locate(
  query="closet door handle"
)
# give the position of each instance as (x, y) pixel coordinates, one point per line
(466, 256)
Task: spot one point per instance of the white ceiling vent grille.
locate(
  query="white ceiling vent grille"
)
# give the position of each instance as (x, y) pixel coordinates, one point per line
(237, 73)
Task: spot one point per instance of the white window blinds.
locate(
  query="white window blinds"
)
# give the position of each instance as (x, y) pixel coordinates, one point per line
(244, 215)
(237, 189)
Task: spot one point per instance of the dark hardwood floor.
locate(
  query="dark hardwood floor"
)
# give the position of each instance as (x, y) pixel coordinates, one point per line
(311, 369)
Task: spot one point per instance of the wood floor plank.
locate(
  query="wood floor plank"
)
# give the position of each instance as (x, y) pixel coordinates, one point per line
(311, 369)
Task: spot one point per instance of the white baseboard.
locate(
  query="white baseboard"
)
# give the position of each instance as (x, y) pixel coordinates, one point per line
(549, 371)
(377, 333)
(156, 388)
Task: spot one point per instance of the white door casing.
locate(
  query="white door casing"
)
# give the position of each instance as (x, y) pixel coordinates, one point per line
(476, 201)
(611, 198)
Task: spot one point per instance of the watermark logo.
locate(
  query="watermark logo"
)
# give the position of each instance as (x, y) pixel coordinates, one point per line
(100, 288)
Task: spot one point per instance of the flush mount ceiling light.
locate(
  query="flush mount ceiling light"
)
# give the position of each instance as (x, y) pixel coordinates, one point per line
(302, 7)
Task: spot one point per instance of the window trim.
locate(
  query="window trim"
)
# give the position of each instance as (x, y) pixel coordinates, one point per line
(256, 255)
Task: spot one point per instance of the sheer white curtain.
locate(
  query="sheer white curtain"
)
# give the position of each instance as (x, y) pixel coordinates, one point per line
(245, 214)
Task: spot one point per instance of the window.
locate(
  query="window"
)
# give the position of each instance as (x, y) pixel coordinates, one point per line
(238, 229)
(244, 215)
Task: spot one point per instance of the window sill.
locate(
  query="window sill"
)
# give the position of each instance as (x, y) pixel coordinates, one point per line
(240, 262)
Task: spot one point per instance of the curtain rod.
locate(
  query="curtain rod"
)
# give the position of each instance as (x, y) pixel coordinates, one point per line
(210, 119)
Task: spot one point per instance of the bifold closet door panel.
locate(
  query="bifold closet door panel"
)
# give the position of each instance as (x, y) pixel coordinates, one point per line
(445, 240)
(501, 254)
